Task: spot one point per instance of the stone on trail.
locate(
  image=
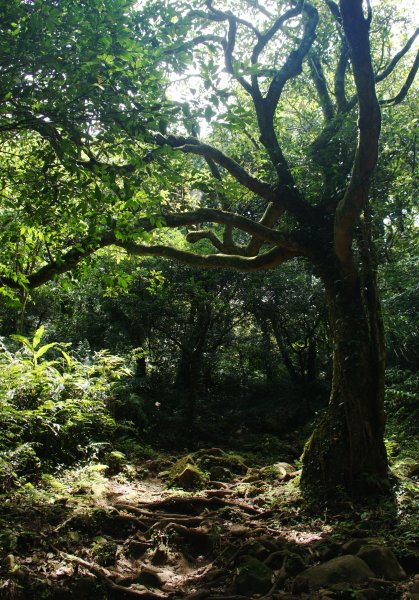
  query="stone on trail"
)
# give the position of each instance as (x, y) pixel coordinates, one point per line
(253, 577)
(382, 561)
(354, 545)
(344, 569)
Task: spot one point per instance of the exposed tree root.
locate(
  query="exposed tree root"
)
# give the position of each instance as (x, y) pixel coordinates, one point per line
(100, 574)
(200, 501)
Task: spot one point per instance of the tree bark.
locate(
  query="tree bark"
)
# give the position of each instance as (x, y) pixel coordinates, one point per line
(347, 449)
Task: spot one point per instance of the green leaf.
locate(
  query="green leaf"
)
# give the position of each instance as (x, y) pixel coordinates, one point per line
(38, 335)
(44, 349)
(67, 357)
(23, 340)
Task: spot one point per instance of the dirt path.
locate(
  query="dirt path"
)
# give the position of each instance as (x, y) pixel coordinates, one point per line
(235, 539)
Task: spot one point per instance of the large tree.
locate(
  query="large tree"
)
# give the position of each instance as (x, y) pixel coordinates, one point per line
(282, 176)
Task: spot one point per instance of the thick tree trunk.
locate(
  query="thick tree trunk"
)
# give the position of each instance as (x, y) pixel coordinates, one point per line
(347, 448)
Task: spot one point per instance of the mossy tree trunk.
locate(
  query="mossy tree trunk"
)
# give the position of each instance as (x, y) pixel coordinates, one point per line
(347, 447)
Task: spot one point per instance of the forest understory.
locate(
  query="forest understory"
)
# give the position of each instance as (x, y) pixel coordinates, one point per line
(210, 524)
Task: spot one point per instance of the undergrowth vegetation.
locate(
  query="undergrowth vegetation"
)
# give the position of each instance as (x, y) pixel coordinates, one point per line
(54, 411)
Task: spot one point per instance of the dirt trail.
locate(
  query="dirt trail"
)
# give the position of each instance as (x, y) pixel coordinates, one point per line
(235, 539)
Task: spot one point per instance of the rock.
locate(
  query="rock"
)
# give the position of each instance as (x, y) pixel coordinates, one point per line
(294, 563)
(239, 530)
(258, 550)
(275, 560)
(369, 594)
(189, 478)
(198, 595)
(409, 560)
(194, 542)
(104, 553)
(382, 561)
(149, 577)
(234, 463)
(219, 473)
(163, 474)
(326, 550)
(353, 546)
(344, 569)
(137, 549)
(160, 555)
(414, 589)
(253, 577)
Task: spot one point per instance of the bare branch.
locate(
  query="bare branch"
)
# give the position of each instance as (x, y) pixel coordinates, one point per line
(259, 7)
(294, 61)
(259, 231)
(227, 15)
(369, 123)
(319, 80)
(206, 234)
(406, 87)
(269, 219)
(268, 260)
(396, 58)
(339, 79)
(193, 146)
(265, 38)
(334, 9)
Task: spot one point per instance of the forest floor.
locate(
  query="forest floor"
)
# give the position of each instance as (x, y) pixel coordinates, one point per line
(206, 526)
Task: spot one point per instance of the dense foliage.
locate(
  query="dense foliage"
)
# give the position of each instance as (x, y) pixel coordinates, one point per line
(106, 158)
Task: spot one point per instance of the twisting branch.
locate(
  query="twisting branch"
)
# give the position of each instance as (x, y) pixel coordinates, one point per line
(269, 219)
(396, 58)
(268, 260)
(194, 146)
(319, 80)
(334, 9)
(227, 15)
(356, 28)
(265, 38)
(260, 231)
(339, 79)
(287, 246)
(406, 87)
(206, 234)
(293, 64)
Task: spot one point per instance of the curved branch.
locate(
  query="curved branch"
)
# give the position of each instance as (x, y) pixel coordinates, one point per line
(406, 87)
(258, 231)
(265, 38)
(286, 246)
(268, 260)
(65, 263)
(206, 234)
(293, 64)
(339, 79)
(396, 58)
(356, 28)
(269, 218)
(194, 146)
(319, 80)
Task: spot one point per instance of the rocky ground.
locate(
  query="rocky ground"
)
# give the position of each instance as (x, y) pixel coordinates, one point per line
(206, 526)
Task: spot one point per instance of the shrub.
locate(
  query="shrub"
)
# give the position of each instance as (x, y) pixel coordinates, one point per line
(52, 410)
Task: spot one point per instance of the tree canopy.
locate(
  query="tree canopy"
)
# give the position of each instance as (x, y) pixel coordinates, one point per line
(97, 151)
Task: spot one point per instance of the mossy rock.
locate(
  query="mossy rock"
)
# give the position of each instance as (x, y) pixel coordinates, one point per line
(382, 561)
(253, 577)
(116, 462)
(219, 473)
(346, 570)
(186, 474)
(104, 553)
(233, 462)
(277, 472)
